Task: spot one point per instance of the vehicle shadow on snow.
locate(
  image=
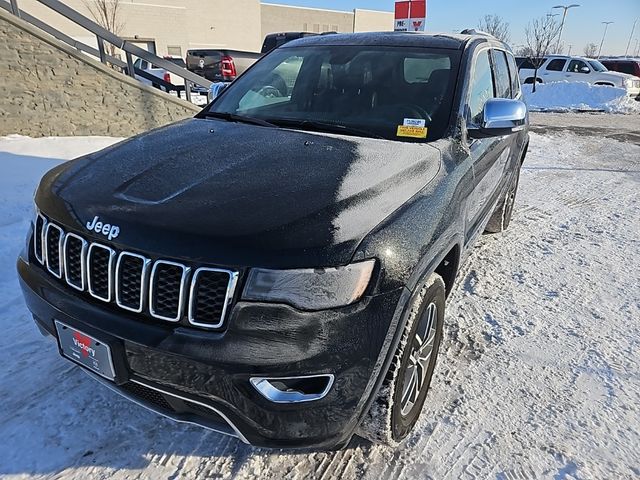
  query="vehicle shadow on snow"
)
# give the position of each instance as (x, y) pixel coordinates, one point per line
(74, 422)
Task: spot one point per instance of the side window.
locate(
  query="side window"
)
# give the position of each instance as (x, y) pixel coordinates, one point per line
(578, 66)
(626, 67)
(503, 80)
(515, 80)
(556, 65)
(174, 51)
(144, 64)
(481, 87)
(137, 63)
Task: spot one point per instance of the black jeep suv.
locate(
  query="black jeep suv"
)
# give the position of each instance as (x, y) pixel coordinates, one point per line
(276, 268)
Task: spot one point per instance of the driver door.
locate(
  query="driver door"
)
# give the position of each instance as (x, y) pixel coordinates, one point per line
(489, 156)
(578, 71)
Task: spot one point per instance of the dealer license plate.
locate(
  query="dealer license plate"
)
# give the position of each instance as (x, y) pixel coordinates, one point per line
(85, 350)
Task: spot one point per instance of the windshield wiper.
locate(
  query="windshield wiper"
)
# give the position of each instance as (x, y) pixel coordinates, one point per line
(323, 127)
(232, 117)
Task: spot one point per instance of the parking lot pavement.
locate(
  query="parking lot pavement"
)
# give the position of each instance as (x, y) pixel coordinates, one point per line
(621, 127)
(538, 375)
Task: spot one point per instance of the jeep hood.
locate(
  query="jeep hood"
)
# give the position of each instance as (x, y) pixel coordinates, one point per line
(235, 194)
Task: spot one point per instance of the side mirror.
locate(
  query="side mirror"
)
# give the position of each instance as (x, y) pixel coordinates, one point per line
(502, 116)
(585, 70)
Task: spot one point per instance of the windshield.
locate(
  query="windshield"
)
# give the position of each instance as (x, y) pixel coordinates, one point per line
(403, 94)
(597, 66)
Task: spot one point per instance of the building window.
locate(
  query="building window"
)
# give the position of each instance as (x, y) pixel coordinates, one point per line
(334, 28)
(174, 51)
(305, 27)
(316, 28)
(325, 28)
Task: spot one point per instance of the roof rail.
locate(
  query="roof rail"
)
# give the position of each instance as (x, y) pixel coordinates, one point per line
(473, 31)
(102, 36)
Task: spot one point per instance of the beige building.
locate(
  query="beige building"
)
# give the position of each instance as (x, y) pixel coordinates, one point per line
(171, 27)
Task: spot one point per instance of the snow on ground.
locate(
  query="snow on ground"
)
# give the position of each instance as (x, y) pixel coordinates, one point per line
(538, 375)
(579, 96)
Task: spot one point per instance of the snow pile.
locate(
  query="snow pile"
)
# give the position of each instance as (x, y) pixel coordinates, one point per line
(578, 96)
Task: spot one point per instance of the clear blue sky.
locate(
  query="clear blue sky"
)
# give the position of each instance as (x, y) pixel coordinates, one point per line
(583, 24)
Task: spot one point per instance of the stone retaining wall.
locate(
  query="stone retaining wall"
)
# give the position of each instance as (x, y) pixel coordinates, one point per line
(50, 89)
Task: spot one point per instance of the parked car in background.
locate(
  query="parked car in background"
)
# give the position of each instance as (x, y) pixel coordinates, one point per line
(559, 68)
(220, 65)
(275, 40)
(630, 66)
(160, 72)
(525, 63)
(277, 268)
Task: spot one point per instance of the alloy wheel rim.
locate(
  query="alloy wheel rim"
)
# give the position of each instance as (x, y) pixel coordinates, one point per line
(419, 359)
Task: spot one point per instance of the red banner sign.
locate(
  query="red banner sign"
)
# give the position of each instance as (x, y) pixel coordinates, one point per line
(411, 15)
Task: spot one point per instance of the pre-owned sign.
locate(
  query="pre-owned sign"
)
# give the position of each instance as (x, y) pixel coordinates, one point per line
(411, 16)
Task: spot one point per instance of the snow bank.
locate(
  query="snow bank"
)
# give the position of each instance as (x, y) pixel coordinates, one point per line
(579, 96)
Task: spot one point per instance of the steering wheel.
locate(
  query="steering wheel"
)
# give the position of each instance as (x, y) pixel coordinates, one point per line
(269, 91)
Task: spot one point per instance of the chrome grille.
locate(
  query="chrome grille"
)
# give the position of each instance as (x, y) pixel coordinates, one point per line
(133, 281)
(38, 237)
(166, 293)
(53, 238)
(99, 271)
(209, 300)
(75, 254)
(131, 277)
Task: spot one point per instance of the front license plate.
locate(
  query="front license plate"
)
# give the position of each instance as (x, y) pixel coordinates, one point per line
(85, 350)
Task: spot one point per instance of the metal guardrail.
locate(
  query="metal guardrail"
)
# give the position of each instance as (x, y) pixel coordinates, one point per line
(102, 36)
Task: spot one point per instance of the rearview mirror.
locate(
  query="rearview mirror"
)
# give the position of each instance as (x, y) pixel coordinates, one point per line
(501, 116)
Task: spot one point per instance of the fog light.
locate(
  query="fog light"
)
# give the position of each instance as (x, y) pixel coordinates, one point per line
(293, 389)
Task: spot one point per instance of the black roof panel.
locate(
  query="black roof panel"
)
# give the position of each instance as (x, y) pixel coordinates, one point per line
(390, 39)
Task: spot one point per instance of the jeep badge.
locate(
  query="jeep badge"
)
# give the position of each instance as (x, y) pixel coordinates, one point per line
(106, 229)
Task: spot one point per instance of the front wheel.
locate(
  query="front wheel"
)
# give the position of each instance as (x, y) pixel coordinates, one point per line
(397, 407)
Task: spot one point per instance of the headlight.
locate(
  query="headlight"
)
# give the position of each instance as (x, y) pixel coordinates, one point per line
(628, 82)
(310, 289)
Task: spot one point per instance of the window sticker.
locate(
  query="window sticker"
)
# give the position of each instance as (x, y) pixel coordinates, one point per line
(415, 122)
(412, 131)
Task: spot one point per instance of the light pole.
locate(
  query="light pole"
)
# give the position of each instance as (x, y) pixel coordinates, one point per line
(606, 26)
(633, 29)
(564, 17)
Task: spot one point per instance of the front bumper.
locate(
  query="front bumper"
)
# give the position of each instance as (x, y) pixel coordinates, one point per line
(633, 92)
(212, 370)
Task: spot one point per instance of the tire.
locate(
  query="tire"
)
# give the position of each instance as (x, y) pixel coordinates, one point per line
(501, 217)
(392, 417)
